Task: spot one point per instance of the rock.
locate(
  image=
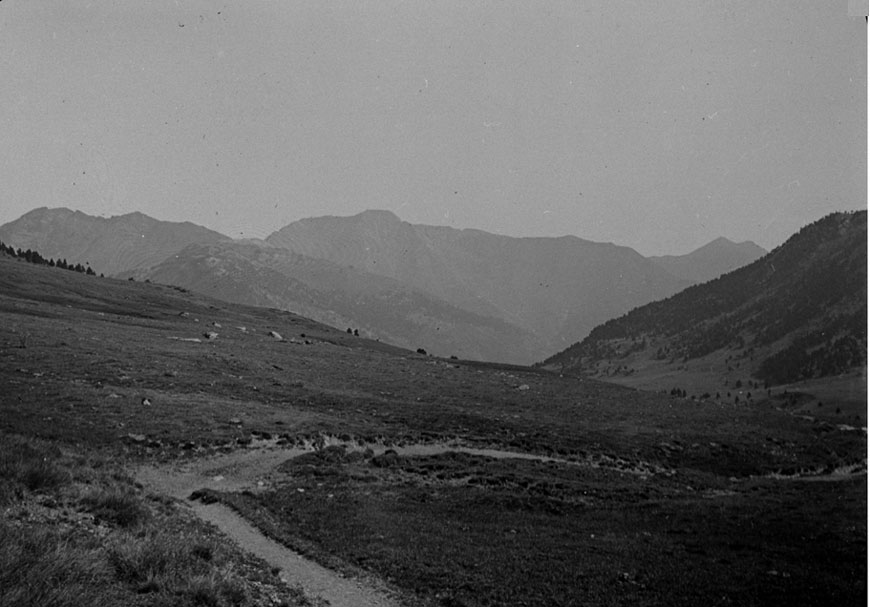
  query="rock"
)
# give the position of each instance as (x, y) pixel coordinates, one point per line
(217, 325)
(210, 335)
(184, 314)
(137, 438)
(524, 387)
(235, 421)
(275, 335)
(146, 402)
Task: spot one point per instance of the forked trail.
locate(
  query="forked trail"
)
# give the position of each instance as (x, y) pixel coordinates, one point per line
(252, 469)
(241, 470)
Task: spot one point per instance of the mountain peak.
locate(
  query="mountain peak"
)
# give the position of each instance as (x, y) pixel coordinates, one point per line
(379, 214)
(715, 258)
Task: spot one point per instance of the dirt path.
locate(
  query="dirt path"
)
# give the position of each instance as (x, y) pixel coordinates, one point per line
(243, 470)
(252, 468)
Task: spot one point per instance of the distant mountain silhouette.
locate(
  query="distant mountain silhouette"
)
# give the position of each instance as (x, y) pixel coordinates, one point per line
(710, 261)
(109, 245)
(556, 288)
(798, 312)
(479, 295)
(341, 296)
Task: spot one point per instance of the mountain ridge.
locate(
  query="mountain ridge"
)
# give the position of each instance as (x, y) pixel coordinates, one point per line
(542, 292)
(797, 313)
(377, 307)
(711, 260)
(110, 245)
(558, 288)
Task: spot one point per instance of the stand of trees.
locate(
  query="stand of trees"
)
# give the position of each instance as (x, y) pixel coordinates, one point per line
(34, 257)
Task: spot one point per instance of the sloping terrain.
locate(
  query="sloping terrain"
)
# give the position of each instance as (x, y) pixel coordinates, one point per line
(109, 246)
(710, 261)
(600, 494)
(453, 292)
(557, 288)
(342, 296)
(798, 313)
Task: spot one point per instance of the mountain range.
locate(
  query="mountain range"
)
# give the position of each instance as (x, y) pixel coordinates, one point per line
(467, 293)
(798, 313)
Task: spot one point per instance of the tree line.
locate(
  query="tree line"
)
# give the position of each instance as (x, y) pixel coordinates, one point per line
(32, 256)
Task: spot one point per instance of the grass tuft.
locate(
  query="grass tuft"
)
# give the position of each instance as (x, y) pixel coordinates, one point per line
(30, 466)
(42, 567)
(117, 507)
(172, 565)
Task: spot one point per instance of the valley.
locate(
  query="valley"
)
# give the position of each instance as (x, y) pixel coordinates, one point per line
(441, 481)
(464, 293)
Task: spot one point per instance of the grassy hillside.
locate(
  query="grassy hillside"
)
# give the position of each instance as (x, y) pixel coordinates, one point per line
(642, 499)
(343, 296)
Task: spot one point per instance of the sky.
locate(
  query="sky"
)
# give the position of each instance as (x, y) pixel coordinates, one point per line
(655, 125)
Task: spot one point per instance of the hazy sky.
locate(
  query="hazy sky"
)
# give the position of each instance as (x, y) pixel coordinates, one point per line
(657, 125)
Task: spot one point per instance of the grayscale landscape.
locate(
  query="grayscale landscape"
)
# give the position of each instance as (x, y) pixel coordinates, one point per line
(409, 305)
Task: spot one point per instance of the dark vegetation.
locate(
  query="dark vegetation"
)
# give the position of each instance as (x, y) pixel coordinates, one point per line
(804, 304)
(34, 257)
(654, 499)
(467, 530)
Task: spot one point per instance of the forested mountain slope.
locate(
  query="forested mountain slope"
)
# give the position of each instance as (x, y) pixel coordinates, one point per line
(798, 312)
